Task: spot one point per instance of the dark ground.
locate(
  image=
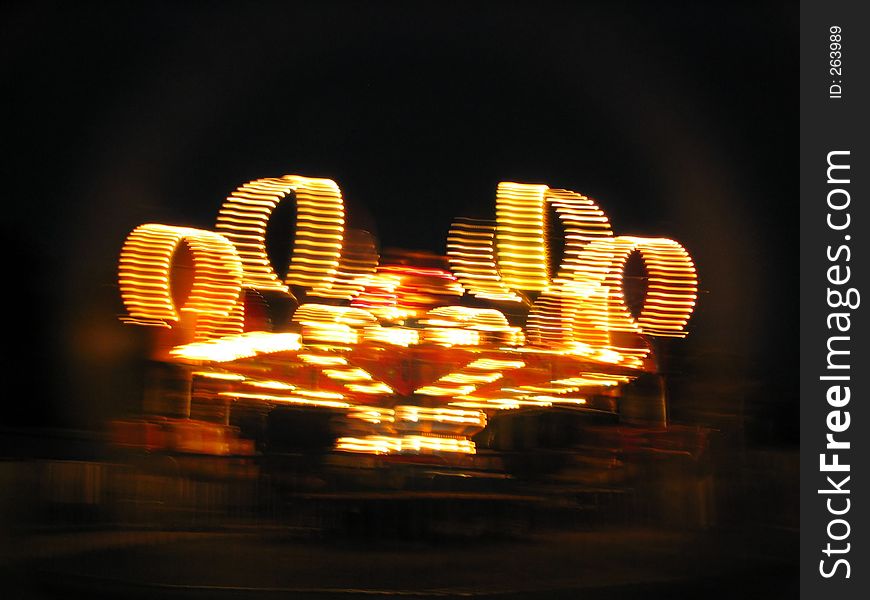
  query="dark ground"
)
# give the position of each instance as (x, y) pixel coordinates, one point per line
(619, 563)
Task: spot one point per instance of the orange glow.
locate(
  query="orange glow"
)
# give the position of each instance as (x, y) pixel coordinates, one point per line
(351, 374)
(558, 399)
(335, 324)
(673, 284)
(581, 310)
(423, 443)
(476, 373)
(396, 336)
(294, 399)
(215, 327)
(497, 403)
(559, 391)
(269, 384)
(417, 414)
(232, 348)
(482, 319)
(322, 359)
(369, 388)
(588, 315)
(381, 444)
(380, 298)
(219, 375)
(319, 230)
(583, 222)
(397, 292)
(493, 364)
(444, 336)
(145, 268)
(317, 315)
(372, 444)
(522, 256)
(461, 325)
(372, 414)
(444, 390)
(359, 259)
(472, 259)
(578, 342)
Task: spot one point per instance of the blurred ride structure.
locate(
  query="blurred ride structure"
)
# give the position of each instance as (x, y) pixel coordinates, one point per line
(514, 383)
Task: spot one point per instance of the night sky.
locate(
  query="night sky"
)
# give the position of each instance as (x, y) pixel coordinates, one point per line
(681, 120)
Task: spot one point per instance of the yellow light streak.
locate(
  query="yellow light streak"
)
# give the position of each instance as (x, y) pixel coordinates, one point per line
(372, 444)
(443, 336)
(470, 248)
(377, 388)
(498, 403)
(144, 273)
(420, 443)
(317, 245)
(672, 284)
(236, 347)
(269, 384)
(349, 374)
(398, 292)
(300, 400)
(593, 379)
(319, 394)
(478, 372)
(356, 268)
(579, 317)
(474, 378)
(493, 364)
(396, 336)
(417, 414)
(319, 314)
(444, 390)
(372, 414)
(380, 444)
(522, 258)
(557, 399)
(319, 359)
(480, 319)
(336, 324)
(220, 376)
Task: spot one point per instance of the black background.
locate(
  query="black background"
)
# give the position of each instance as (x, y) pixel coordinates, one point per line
(679, 118)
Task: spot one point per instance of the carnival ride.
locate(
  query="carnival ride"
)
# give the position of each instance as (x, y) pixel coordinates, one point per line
(411, 356)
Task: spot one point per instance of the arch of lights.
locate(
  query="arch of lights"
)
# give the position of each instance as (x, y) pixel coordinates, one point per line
(576, 340)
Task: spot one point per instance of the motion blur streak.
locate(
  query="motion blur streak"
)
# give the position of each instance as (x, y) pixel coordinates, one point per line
(359, 260)
(673, 284)
(376, 444)
(522, 256)
(399, 292)
(232, 348)
(319, 230)
(472, 259)
(145, 267)
(405, 366)
(295, 399)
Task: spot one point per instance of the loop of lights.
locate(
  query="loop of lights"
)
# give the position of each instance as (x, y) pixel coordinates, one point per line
(579, 337)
